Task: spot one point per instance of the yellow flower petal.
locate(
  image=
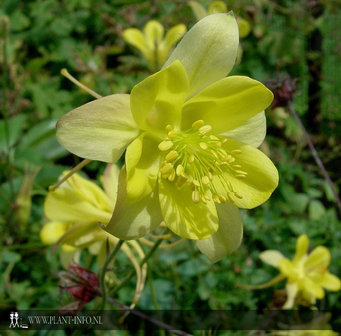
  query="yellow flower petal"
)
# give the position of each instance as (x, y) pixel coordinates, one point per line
(89, 192)
(142, 164)
(173, 35)
(271, 257)
(227, 238)
(330, 282)
(244, 27)
(135, 37)
(153, 32)
(208, 51)
(251, 132)
(217, 7)
(198, 10)
(52, 231)
(157, 100)
(311, 288)
(318, 258)
(66, 205)
(133, 220)
(291, 289)
(287, 268)
(99, 130)
(110, 181)
(258, 184)
(302, 245)
(183, 216)
(227, 104)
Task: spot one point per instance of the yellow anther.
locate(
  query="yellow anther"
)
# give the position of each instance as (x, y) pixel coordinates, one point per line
(205, 180)
(240, 176)
(205, 129)
(181, 180)
(191, 158)
(172, 134)
(236, 151)
(210, 176)
(229, 196)
(213, 137)
(203, 145)
(169, 128)
(203, 199)
(196, 183)
(216, 199)
(195, 196)
(197, 124)
(166, 169)
(237, 166)
(224, 141)
(171, 177)
(180, 170)
(222, 198)
(241, 172)
(165, 145)
(172, 155)
(237, 195)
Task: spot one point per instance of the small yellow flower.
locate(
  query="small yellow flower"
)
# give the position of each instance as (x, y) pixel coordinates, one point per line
(190, 136)
(306, 274)
(75, 209)
(152, 43)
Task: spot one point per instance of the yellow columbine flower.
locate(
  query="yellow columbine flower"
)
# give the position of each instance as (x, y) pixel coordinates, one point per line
(76, 208)
(190, 136)
(307, 274)
(74, 211)
(152, 42)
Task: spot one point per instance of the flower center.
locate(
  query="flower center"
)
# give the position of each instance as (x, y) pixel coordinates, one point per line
(196, 157)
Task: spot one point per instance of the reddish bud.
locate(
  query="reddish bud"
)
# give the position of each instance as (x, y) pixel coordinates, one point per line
(82, 283)
(283, 89)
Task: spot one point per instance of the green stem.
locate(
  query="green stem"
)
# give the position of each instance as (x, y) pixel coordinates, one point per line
(26, 246)
(5, 23)
(110, 258)
(132, 272)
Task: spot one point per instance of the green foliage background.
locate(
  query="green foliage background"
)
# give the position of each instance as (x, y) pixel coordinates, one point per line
(39, 38)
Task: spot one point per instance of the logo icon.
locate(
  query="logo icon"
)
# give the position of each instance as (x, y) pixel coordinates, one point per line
(14, 321)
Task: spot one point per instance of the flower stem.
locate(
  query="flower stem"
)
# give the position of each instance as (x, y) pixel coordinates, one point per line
(109, 259)
(160, 324)
(70, 173)
(316, 156)
(132, 272)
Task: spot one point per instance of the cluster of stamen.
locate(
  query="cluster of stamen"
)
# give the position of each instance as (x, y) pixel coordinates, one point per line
(197, 157)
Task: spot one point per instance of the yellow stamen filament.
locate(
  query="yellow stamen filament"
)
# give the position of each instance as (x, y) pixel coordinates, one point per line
(199, 160)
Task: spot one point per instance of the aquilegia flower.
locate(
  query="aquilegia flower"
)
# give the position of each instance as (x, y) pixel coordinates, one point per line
(74, 211)
(306, 274)
(152, 43)
(190, 136)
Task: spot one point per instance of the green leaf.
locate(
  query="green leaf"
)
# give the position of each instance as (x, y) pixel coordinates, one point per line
(316, 210)
(9, 134)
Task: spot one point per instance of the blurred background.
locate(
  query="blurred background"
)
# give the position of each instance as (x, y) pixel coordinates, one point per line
(294, 47)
